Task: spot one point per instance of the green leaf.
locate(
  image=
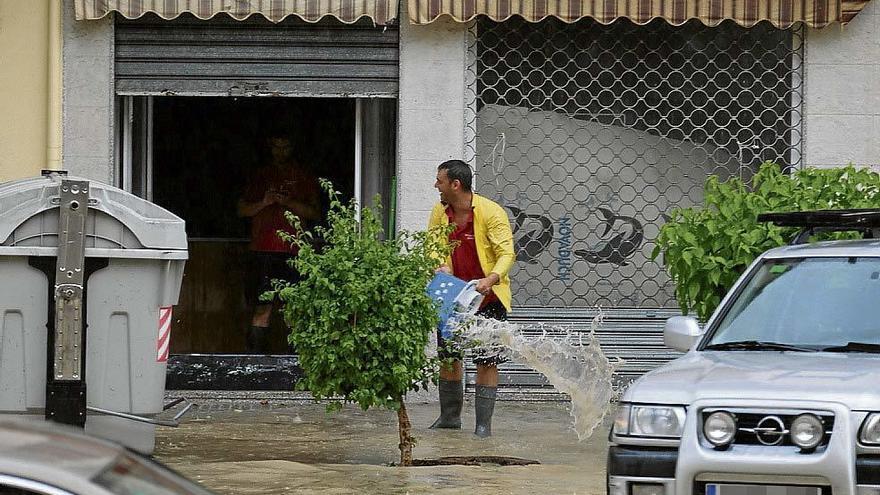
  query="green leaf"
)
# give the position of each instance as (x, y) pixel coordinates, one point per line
(706, 247)
(358, 315)
(693, 291)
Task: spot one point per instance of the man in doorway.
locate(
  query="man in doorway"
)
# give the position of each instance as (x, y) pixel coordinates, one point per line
(483, 252)
(283, 185)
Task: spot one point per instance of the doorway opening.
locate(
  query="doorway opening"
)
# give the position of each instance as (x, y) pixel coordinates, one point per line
(198, 157)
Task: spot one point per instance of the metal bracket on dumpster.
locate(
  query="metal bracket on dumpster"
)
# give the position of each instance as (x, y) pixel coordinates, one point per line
(173, 422)
(66, 389)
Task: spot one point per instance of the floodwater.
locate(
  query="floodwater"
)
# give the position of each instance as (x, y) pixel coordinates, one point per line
(573, 366)
(253, 447)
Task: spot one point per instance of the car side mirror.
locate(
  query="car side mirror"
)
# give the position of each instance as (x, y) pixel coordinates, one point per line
(681, 332)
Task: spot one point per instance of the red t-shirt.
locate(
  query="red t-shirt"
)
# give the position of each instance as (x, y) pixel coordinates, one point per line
(291, 180)
(465, 262)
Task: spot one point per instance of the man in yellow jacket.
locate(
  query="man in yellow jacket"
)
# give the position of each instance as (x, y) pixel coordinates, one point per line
(484, 252)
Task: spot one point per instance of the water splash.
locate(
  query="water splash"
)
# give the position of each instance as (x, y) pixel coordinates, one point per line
(571, 361)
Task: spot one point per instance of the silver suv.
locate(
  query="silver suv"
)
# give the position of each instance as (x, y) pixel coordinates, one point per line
(779, 394)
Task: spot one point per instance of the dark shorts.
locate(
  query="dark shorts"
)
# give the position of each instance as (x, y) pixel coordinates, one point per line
(267, 267)
(488, 357)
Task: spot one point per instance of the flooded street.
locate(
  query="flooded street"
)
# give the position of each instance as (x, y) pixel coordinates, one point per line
(249, 447)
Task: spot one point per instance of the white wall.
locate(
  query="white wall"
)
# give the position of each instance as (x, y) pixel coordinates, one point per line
(843, 92)
(431, 112)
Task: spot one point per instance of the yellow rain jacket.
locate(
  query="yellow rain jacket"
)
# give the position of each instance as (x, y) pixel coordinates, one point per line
(493, 238)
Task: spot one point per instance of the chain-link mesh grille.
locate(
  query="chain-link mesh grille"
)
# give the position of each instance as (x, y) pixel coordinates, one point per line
(590, 134)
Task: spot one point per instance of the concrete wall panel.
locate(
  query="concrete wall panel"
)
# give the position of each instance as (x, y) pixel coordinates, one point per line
(88, 97)
(842, 107)
(431, 112)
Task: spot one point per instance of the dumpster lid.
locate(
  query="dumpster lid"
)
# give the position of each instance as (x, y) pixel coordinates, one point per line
(28, 217)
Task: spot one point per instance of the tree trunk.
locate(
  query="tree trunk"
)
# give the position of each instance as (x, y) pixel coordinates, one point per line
(406, 440)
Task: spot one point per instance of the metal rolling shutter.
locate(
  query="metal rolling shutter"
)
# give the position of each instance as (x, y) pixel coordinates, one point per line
(254, 57)
(590, 135)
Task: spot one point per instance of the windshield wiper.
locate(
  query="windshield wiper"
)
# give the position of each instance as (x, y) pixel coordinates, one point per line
(755, 345)
(854, 347)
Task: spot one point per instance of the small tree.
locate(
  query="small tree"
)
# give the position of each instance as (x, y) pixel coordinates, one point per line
(705, 249)
(359, 316)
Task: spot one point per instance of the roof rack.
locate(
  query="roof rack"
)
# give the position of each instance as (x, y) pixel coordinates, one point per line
(866, 221)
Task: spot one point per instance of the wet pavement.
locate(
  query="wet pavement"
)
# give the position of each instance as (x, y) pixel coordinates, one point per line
(277, 446)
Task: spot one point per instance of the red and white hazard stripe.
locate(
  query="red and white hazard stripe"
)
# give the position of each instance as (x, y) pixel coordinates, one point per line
(163, 343)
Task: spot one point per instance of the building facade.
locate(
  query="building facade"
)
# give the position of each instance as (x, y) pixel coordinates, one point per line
(589, 133)
(587, 125)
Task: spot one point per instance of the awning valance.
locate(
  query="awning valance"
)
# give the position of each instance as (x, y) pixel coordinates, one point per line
(782, 13)
(348, 11)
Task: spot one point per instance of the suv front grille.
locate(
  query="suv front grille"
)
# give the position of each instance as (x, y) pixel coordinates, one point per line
(770, 428)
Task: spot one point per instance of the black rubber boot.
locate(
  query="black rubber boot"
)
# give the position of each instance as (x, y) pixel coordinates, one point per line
(484, 405)
(451, 399)
(257, 340)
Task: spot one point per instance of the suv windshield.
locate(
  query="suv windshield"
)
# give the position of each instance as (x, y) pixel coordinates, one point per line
(809, 303)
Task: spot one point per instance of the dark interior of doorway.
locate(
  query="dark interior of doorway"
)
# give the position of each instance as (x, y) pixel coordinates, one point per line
(204, 150)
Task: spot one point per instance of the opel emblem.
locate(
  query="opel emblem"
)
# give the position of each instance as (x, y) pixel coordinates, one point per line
(770, 430)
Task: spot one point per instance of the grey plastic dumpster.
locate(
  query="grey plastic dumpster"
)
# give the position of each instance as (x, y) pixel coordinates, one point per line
(134, 258)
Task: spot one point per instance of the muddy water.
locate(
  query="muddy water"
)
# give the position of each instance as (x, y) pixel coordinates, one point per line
(253, 448)
(571, 361)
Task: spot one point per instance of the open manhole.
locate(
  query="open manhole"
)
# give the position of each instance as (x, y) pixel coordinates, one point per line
(474, 460)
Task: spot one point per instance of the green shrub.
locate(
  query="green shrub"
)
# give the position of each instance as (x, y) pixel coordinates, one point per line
(705, 249)
(359, 316)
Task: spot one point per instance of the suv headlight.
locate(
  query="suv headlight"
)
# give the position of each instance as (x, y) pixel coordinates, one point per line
(807, 431)
(720, 428)
(641, 420)
(870, 432)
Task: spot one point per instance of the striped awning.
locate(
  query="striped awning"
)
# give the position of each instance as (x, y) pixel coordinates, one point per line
(348, 11)
(782, 13)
